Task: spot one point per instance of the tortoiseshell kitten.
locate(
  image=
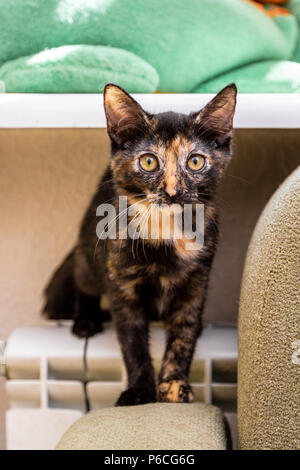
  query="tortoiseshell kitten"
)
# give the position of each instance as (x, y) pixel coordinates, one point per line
(164, 159)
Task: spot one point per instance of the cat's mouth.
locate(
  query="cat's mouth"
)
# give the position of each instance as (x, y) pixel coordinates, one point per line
(163, 201)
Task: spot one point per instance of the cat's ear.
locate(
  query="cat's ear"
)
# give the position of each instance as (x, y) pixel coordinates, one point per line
(125, 117)
(216, 118)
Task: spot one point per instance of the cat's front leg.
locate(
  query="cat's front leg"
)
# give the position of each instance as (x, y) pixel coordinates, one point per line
(183, 328)
(132, 328)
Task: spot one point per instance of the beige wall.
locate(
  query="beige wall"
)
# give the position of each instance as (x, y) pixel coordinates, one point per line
(46, 179)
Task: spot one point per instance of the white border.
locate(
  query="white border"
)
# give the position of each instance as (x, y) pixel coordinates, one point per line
(86, 110)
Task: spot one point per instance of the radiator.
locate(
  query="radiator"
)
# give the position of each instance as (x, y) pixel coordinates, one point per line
(53, 377)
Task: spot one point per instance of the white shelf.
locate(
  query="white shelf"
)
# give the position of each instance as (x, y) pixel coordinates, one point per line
(265, 111)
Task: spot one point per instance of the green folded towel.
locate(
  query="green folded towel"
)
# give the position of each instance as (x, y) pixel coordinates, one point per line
(271, 76)
(187, 42)
(294, 7)
(78, 69)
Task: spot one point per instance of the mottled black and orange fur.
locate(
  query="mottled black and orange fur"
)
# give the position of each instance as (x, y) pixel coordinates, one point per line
(156, 278)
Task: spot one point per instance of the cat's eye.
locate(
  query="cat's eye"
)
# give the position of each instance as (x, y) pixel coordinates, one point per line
(196, 162)
(148, 162)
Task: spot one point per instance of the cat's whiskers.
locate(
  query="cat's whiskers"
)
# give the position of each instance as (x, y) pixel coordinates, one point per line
(112, 221)
(144, 219)
(146, 222)
(239, 178)
(105, 182)
(120, 239)
(138, 225)
(136, 195)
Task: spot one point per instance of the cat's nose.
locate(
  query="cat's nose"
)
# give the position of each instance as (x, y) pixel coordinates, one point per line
(171, 192)
(170, 189)
(171, 196)
(170, 184)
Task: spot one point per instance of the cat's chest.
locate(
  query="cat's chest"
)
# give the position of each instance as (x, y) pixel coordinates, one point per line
(161, 283)
(153, 275)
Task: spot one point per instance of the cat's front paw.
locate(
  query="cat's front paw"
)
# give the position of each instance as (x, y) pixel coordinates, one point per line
(175, 391)
(136, 396)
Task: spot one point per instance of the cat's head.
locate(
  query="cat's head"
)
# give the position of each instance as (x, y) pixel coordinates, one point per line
(169, 157)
